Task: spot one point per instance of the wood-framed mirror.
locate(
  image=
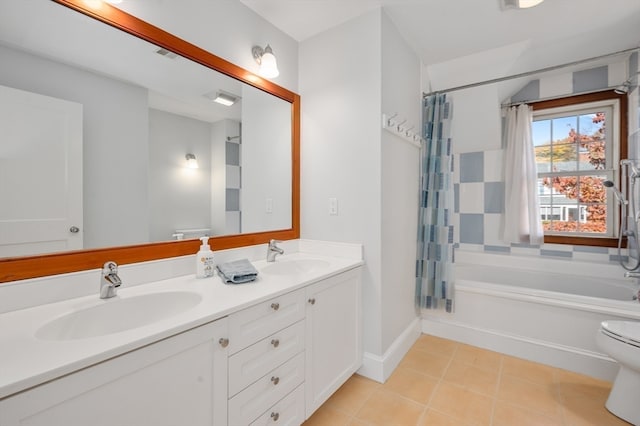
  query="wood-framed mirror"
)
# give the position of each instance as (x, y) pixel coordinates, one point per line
(22, 267)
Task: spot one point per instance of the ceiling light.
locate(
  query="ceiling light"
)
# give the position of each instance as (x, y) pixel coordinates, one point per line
(267, 61)
(225, 99)
(192, 163)
(519, 4)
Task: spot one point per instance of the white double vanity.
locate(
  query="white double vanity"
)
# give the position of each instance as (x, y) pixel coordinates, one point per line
(181, 350)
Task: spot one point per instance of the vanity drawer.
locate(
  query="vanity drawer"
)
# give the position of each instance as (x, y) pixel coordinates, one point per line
(289, 411)
(257, 322)
(255, 400)
(248, 365)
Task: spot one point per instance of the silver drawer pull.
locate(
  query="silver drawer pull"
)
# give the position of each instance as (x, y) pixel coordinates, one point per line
(275, 380)
(275, 306)
(275, 343)
(275, 416)
(312, 301)
(223, 342)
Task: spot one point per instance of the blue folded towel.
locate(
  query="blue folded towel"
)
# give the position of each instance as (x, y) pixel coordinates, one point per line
(238, 272)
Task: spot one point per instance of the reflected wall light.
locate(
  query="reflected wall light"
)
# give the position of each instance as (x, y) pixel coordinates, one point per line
(519, 4)
(266, 60)
(192, 163)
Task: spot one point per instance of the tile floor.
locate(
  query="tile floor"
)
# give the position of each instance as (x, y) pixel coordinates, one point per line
(442, 382)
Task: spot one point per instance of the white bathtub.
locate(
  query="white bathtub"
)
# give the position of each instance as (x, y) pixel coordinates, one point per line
(537, 310)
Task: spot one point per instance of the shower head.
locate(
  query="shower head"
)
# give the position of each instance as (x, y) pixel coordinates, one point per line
(616, 191)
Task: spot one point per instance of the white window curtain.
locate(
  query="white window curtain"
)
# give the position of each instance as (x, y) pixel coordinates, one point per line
(521, 222)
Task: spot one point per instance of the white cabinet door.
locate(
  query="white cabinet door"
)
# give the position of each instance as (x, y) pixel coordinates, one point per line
(333, 336)
(181, 380)
(40, 173)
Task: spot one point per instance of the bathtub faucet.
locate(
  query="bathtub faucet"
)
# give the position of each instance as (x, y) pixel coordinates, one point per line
(632, 274)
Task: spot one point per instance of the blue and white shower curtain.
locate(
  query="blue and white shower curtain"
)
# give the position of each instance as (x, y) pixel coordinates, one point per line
(435, 250)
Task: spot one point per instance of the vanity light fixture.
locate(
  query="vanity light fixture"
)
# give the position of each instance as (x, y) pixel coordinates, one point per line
(225, 99)
(519, 4)
(192, 163)
(266, 60)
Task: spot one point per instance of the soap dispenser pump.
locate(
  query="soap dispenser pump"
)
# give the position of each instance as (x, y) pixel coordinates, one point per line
(204, 260)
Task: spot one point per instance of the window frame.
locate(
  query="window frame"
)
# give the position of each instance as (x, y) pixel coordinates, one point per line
(619, 132)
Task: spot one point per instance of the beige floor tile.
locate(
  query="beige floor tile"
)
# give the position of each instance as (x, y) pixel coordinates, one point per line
(434, 418)
(389, 408)
(328, 416)
(465, 406)
(357, 422)
(506, 414)
(473, 378)
(537, 397)
(577, 385)
(426, 363)
(478, 357)
(435, 345)
(411, 384)
(528, 370)
(583, 411)
(353, 394)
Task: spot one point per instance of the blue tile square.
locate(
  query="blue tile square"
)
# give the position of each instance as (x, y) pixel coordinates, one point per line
(232, 200)
(232, 157)
(472, 228)
(592, 79)
(530, 92)
(472, 167)
(494, 197)
(456, 198)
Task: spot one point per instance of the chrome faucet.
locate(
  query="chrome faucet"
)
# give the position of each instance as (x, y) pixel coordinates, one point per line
(110, 280)
(632, 274)
(273, 251)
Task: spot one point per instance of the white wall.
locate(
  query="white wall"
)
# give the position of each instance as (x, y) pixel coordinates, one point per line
(181, 195)
(348, 76)
(115, 126)
(400, 175)
(266, 162)
(340, 86)
(219, 133)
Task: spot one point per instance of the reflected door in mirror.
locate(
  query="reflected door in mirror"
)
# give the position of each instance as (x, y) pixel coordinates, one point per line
(40, 173)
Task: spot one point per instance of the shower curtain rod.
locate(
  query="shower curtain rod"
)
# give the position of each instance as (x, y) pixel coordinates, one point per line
(528, 73)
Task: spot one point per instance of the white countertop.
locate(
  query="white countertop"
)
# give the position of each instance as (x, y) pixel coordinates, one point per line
(27, 361)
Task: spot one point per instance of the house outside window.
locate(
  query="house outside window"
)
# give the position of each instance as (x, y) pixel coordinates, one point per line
(577, 142)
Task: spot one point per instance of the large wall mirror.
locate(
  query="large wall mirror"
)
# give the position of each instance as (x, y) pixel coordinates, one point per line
(101, 112)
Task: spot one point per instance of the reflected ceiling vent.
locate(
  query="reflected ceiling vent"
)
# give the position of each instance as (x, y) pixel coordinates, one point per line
(222, 97)
(518, 4)
(166, 53)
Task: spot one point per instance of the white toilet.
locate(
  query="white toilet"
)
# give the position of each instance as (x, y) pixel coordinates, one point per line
(621, 341)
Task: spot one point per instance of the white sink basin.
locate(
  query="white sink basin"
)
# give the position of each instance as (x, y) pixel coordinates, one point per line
(295, 266)
(115, 315)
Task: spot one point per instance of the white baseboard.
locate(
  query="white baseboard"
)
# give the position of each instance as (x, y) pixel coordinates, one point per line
(379, 368)
(569, 358)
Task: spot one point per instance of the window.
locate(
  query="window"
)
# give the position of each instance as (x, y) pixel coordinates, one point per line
(577, 142)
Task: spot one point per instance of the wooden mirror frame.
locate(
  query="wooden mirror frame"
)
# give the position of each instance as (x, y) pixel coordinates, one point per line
(17, 268)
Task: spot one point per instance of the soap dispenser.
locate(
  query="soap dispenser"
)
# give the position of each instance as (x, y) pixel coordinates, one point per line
(204, 260)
